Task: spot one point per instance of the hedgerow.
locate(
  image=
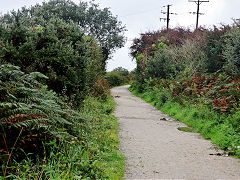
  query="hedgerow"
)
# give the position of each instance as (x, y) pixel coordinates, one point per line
(181, 71)
(52, 62)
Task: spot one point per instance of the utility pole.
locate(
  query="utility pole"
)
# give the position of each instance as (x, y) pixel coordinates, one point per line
(168, 15)
(198, 2)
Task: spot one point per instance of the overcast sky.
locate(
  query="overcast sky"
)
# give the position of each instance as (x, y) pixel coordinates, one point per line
(140, 16)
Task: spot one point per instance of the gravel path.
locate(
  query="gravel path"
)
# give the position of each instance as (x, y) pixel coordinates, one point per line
(156, 149)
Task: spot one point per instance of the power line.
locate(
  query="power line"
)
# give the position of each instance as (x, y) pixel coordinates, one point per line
(140, 12)
(168, 15)
(198, 2)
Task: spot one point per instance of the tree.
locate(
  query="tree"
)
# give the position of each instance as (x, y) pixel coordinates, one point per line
(121, 70)
(96, 22)
(55, 48)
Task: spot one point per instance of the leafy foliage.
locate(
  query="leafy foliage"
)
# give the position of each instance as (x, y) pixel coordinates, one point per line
(63, 47)
(101, 89)
(148, 41)
(232, 52)
(56, 49)
(91, 154)
(117, 77)
(214, 48)
(160, 66)
(32, 112)
(96, 22)
(164, 54)
(67, 42)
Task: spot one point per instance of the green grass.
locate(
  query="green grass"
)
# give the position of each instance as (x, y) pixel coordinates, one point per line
(94, 154)
(185, 129)
(221, 129)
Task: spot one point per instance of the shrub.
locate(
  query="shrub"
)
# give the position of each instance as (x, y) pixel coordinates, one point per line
(101, 89)
(31, 115)
(190, 57)
(214, 47)
(58, 50)
(148, 41)
(67, 42)
(161, 65)
(232, 51)
(117, 77)
(106, 29)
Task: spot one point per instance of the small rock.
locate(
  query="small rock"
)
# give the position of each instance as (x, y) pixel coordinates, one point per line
(163, 119)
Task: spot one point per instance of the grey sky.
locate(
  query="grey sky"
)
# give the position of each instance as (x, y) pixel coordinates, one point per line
(143, 15)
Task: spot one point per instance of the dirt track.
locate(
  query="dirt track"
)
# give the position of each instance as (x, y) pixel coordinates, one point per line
(156, 149)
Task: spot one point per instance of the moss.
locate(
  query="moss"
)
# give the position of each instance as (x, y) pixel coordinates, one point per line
(186, 129)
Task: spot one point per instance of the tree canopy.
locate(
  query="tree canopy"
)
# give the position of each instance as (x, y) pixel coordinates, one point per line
(90, 18)
(68, 43)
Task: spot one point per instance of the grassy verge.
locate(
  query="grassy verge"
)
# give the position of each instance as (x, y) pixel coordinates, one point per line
(219, 128)
(94, 154)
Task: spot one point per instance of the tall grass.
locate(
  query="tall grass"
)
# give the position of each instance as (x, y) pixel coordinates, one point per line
(93, 154)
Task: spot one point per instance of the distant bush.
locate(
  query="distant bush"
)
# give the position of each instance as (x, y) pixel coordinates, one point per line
(117, 77)
(190, 57)
(147, 41)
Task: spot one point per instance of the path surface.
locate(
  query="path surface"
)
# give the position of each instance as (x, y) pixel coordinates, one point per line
(156, 149)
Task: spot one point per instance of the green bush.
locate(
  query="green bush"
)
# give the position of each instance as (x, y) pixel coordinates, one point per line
(161, 65)
(67, 42)
(58, 50)
(214, 47)
(99, 23)
(117, 77)
(114, 79)
(232, 51)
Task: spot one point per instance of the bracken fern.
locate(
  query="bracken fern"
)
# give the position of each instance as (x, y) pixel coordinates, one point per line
(28, 107)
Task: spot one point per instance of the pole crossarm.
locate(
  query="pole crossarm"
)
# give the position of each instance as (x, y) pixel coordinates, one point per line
(163, 19)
